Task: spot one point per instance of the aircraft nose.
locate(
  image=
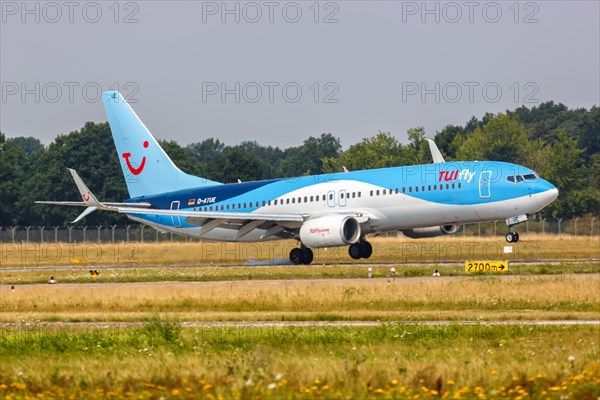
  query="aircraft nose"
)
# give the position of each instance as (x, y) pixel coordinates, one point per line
(548, 196)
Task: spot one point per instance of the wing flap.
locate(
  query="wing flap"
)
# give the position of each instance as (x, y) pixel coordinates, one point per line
(215, 215)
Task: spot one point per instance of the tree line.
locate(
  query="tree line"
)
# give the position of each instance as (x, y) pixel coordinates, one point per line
(561, 144)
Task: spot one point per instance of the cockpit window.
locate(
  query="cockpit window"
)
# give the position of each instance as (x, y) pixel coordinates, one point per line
(521, 178)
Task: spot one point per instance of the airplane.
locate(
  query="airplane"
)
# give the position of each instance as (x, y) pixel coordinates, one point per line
(328, 210)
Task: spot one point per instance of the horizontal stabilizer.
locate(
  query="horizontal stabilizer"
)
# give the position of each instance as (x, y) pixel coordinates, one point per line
(87, 211)
(84, 204)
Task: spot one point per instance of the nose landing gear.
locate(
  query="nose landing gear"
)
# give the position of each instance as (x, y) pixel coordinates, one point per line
(360, 249)
(512, 237)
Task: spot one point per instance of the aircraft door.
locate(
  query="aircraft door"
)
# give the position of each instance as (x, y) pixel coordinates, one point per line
(176, 219)
(343, 195)
(484, 184)
(331, 199)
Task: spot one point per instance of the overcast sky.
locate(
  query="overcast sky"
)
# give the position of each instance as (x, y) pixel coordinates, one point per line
(279, 72)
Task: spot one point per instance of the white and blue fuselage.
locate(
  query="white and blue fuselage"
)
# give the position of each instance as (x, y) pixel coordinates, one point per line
(322, 210)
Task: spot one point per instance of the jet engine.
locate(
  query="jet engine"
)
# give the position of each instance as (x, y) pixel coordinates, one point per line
(330, 231)
(430, 231)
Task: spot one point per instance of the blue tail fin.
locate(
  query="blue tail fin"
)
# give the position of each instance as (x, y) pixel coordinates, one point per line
(147, 168)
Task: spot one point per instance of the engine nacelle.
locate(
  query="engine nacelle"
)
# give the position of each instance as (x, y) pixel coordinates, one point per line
(431, 231)
(330, 231)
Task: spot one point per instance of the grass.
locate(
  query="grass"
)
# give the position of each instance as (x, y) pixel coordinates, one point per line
(162, 360)
(77, 274)
(386, 250)
(471, 298)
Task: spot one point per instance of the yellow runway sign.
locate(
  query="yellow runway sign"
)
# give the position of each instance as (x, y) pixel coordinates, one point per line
(483, 266)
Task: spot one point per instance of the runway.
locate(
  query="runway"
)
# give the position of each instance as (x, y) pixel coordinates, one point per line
(298, 324)
(283, 263)
(287, 282)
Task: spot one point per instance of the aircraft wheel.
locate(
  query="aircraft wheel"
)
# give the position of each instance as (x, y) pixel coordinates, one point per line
(366, 249)
(355, 251)
(516, 234)
(511, 237)
(307, 256)
(296, 256)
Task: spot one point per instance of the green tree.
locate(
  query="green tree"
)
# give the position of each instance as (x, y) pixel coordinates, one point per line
(572, 178)
(308, 158)
(380, 151)
(13, 168)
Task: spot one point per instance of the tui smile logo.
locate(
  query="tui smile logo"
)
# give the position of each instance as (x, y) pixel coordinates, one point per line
(138, 170)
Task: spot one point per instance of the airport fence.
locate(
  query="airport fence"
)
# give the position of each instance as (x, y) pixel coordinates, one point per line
(585, 226)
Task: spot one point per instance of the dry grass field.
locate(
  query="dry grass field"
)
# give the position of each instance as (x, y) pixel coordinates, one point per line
(386, 250)
(464, 298)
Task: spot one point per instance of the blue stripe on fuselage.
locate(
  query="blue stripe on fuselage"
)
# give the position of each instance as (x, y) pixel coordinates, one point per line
(466, 173)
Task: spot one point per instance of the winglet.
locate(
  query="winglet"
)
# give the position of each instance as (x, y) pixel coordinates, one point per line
(435, 152)
(86, 194)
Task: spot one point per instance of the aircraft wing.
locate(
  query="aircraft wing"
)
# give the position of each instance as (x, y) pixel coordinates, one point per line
(244, 222)
(190, 214)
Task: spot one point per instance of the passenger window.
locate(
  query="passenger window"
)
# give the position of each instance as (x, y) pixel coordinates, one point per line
(429, 188)
(359, 194)
(293, 200)
(311, 199)
(275, 202)
(263, 203)
(459, 185)
(453, 186)
(371, 193)
(233, 206)
(287, 201)
(331, 196)
(423, 188)
(416, 188)
(410, 189)
(403, 190)
(221, 207)
(305, 199)
(447, 186)
(434, 187)
(228, 206)
(396, 190)
(377, 192)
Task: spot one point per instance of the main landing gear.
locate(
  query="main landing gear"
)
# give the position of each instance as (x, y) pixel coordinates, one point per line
(360, 249)
(512, 237)
(303, 255)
